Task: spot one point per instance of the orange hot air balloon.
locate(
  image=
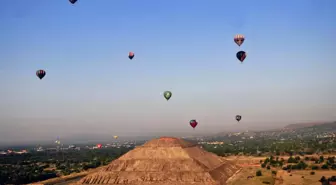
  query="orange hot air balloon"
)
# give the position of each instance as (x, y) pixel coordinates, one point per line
(131, 55)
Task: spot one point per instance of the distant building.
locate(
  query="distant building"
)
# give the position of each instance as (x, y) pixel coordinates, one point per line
(72, 146)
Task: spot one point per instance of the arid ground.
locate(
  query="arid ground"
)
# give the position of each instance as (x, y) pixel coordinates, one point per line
(296, 177)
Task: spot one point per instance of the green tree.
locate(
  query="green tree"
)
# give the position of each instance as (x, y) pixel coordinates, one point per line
(291, 160)
(325, 166)
(321, 159)
(280, 163)
(333, 166)
(301, 165)
(258, 173)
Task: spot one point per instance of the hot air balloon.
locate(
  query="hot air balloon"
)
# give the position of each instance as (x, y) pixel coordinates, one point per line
(193, 123)
(99, 145)
(238, 118)
(239, 39)
(40, 73)
(241, 55)
(131, 55)
(167, 95)
(72, 1)
(115, 137)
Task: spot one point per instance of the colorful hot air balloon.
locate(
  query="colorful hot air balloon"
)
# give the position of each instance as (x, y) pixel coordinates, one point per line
(239, 39)
(193, 123)
(241, 55)
(40, 73)
(167, 95)
(238, 118)
(72, 1)
(131, 55)
(115, 137)
(99, 145)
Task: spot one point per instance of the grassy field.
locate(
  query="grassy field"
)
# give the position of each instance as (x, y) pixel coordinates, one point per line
(302, 177)
(241, 178)
(299, 177)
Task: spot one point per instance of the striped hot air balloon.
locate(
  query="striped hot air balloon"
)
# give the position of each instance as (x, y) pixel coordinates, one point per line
(40, 73)
(241, 55)
(239, 39)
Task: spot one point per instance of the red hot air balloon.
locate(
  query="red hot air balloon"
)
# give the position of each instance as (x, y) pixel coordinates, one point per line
(99, 145)
(193, 123)
(131, 55)
(40, 74)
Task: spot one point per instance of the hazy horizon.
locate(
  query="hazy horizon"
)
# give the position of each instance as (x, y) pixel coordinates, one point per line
(92, 88)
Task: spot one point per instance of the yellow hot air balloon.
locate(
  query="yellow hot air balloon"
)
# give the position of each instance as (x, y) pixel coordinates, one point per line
(115, 137)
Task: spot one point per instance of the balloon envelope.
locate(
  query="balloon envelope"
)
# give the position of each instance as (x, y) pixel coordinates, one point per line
(167, 95)
(239, 39)
(193, 123)
(72, 1)
(131, 55)
(99, 145)
(115, 137)
(241, 55)
(40, 74)
(238, 118)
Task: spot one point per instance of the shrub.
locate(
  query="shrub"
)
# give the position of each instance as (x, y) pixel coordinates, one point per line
(268, 167)
(258, 173)
(312, 173)
(325, 167)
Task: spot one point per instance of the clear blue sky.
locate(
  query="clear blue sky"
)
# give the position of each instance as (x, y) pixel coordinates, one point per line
(187, 47)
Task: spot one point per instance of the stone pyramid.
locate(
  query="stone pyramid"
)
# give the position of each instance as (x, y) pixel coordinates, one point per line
(165, 161)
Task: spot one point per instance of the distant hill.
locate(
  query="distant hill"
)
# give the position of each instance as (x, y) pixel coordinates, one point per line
(304, 125)
(301, 127)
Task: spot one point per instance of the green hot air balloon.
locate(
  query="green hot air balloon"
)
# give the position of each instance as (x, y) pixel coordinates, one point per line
(167, 95)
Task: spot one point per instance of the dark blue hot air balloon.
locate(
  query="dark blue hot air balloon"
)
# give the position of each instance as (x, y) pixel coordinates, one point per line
(72, 1)
(241, 55)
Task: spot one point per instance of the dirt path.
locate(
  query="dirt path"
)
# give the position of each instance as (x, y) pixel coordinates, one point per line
(234, 176)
